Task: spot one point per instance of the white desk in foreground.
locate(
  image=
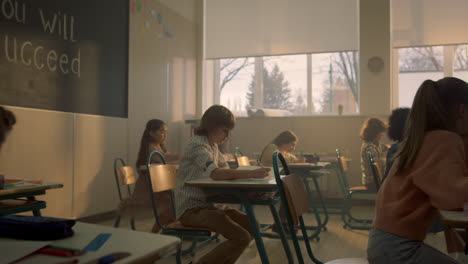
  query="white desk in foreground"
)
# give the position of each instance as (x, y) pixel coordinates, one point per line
(144, 247)
(454, 219)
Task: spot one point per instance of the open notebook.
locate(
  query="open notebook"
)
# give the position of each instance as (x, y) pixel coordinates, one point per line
(271, 174)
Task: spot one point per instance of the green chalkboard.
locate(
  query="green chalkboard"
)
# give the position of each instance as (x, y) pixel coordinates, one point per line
(65, 55)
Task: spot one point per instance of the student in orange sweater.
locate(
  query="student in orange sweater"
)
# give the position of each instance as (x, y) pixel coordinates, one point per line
(429, 174)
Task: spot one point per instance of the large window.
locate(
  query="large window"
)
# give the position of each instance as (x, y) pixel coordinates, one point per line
(305, 84)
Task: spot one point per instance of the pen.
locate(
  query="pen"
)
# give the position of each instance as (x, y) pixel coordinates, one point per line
(55, 252)
(74, 251)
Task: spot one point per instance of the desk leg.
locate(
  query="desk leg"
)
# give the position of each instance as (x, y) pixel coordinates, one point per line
(324, 206)
(284, 240)
(36, 212)
(253, 223)
(312, 202)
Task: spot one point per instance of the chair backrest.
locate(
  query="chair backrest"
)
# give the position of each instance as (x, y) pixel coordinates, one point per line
(242, 161)
(343, 169)
(124, 176)
(296, 196)
(375, 170)
(161, 177)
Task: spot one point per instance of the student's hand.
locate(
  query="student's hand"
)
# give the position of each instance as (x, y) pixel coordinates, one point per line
(301, 160)
(259, 173)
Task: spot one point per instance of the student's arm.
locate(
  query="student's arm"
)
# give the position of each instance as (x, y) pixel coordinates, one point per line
(441, 172)
(172, 157)
(231, 174)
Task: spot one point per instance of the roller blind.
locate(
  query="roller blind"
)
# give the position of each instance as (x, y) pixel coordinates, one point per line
(429, 22)
(242, 28)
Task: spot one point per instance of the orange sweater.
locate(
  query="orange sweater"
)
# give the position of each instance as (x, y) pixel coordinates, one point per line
(406, 203)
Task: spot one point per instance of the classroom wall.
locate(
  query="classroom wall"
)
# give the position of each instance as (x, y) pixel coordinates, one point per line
(78, 150)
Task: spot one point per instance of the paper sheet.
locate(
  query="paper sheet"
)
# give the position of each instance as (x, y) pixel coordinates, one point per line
(271, 173)
(15, 249)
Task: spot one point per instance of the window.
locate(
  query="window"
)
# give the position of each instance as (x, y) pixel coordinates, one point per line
(461, 62)
(417, 64)
(235, 76)
(334, 78)
(304, 84)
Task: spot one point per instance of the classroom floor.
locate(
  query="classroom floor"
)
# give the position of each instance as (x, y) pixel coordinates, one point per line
(334, 243)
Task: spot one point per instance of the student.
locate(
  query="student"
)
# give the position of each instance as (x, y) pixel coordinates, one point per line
(429, 174)
(154, 138)
(286, 143)
(202, 159)
(372, 132)
(8, 120)
(139, 204)
(396, 128)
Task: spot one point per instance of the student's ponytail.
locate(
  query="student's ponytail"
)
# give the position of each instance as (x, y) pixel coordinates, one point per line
(432, 109)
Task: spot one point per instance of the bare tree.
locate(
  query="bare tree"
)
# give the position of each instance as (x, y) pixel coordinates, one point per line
(232, 67)
(347, 63)
(421, 59)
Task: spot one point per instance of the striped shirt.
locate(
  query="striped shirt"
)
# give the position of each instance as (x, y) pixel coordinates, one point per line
(378, 152)
(199, 160)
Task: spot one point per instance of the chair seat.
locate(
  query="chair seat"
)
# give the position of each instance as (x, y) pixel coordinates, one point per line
(348, 261)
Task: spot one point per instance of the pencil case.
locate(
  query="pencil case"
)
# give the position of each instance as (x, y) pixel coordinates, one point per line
(35, 228)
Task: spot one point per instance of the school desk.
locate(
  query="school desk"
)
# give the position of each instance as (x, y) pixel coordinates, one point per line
(240, 189)
(454, 219)
(10, 205)
(141, 247)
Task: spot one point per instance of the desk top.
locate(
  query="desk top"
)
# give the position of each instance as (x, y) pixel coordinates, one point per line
(319, 164)
(267, 183)
(454, 219)
(144, 247)
(30, 187)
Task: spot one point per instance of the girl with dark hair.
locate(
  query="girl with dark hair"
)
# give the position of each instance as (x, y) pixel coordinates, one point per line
(396, 129)
(139, 205)
(372, 133)
(154, 138)
(429, 174)
(286, 143)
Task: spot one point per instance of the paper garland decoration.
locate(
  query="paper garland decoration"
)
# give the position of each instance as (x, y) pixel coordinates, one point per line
(138, 5)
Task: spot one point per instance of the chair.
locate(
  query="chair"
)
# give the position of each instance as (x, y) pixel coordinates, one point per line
(124, 176)
(162, 177)
(349, 220)
(294, 196)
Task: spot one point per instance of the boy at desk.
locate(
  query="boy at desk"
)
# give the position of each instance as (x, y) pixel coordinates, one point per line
(202, 159)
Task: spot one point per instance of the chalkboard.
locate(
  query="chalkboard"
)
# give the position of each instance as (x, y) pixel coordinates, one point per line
(65, 55)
